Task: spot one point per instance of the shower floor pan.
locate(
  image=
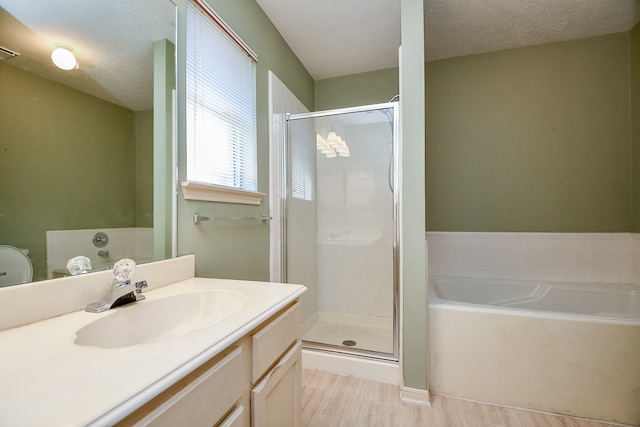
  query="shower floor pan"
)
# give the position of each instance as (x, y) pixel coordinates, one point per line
(350, 331)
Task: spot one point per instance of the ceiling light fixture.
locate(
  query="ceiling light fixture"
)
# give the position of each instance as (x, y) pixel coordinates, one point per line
(62, 56)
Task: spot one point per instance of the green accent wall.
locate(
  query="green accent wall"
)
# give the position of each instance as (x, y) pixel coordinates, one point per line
(412, 243)
(635, 121)
(67, 161)
(373, 87)
(163, 166)
(532, 139)
(238, 250)
(144, 168)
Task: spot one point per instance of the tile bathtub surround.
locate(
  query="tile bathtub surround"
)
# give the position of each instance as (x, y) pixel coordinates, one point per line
(129, 242)
(575, 257)
(636, 258)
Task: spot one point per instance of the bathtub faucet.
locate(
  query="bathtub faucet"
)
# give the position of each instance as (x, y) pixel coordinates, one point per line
(121, 291)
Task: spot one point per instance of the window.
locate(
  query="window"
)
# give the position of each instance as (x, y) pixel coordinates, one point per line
(221, 103)
(303, 162)
(301, 180)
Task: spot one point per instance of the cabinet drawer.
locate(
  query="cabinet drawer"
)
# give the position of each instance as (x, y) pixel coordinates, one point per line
(274, 339)
(202, 398)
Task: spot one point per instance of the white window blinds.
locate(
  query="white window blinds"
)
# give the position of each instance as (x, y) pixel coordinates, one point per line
(302, 170)
(221, 104)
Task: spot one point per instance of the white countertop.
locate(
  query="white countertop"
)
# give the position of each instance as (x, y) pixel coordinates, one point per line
(47, 379)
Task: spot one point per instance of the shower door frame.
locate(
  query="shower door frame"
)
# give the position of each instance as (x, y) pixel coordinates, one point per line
(396, 234)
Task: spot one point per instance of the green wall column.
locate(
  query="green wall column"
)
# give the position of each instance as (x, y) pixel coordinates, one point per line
(163, 187)
(413, 273)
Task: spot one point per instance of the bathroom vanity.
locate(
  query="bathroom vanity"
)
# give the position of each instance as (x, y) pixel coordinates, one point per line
(195, 352)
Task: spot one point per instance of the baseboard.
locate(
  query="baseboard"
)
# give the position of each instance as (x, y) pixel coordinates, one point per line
(415, 396)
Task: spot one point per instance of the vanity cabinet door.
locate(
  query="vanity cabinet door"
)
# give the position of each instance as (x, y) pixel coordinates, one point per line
(275, 401)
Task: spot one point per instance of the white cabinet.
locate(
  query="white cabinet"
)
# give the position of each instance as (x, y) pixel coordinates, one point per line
(274, 339)
(261, 371)
(235, 419)
(275, 401)
(202, 398)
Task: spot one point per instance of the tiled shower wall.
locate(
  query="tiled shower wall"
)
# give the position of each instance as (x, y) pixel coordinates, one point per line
(302, 218)
(281, 101)
(575, 257)
(355, 251)
(351, 242)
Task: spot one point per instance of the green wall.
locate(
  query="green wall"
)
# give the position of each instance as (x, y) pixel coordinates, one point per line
(531, 139)
(67, 161)
(164, 162)
(635, 122)
(144, 168)
(238, 250)
(412, 167)
(373, 87)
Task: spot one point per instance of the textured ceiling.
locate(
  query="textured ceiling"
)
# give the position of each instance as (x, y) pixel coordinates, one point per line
(464, 27)
(340, 37)
(332, 38)
(112, 40)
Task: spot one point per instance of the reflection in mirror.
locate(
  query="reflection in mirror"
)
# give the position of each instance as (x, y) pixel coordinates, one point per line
(76, 151)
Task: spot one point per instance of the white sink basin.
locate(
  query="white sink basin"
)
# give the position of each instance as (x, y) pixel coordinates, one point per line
(161, 319)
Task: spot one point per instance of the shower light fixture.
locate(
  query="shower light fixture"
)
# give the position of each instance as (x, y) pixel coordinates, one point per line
(63, 58)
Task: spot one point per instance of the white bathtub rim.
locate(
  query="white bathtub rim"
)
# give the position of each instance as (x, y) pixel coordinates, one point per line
(525, 312)
(624, 286)
(607, 317)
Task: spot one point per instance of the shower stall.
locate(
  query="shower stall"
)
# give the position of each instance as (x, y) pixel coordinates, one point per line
(339, 227)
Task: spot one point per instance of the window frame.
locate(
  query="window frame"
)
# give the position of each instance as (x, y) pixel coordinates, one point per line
(194, 189)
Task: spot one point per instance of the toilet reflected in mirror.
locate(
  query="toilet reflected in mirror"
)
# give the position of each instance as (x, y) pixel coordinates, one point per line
(15, 266)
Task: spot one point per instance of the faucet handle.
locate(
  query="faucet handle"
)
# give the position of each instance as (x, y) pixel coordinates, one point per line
(140, 286)
(124, 269)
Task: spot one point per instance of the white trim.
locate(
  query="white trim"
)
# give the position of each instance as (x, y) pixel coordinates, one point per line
(227, 29)
(359, 367)
(415, 396)
(213, 193)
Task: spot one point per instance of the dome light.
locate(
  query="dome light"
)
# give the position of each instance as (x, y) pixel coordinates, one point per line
(63, 58)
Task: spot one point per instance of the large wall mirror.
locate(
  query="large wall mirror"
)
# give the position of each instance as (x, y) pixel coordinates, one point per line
(77, 146)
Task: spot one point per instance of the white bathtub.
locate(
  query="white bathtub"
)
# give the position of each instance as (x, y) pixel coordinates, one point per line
(572, 349)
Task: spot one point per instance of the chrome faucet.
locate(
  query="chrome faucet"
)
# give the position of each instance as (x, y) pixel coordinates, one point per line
(122, 291)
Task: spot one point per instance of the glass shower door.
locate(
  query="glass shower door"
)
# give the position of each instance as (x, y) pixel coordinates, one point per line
(341, 227)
